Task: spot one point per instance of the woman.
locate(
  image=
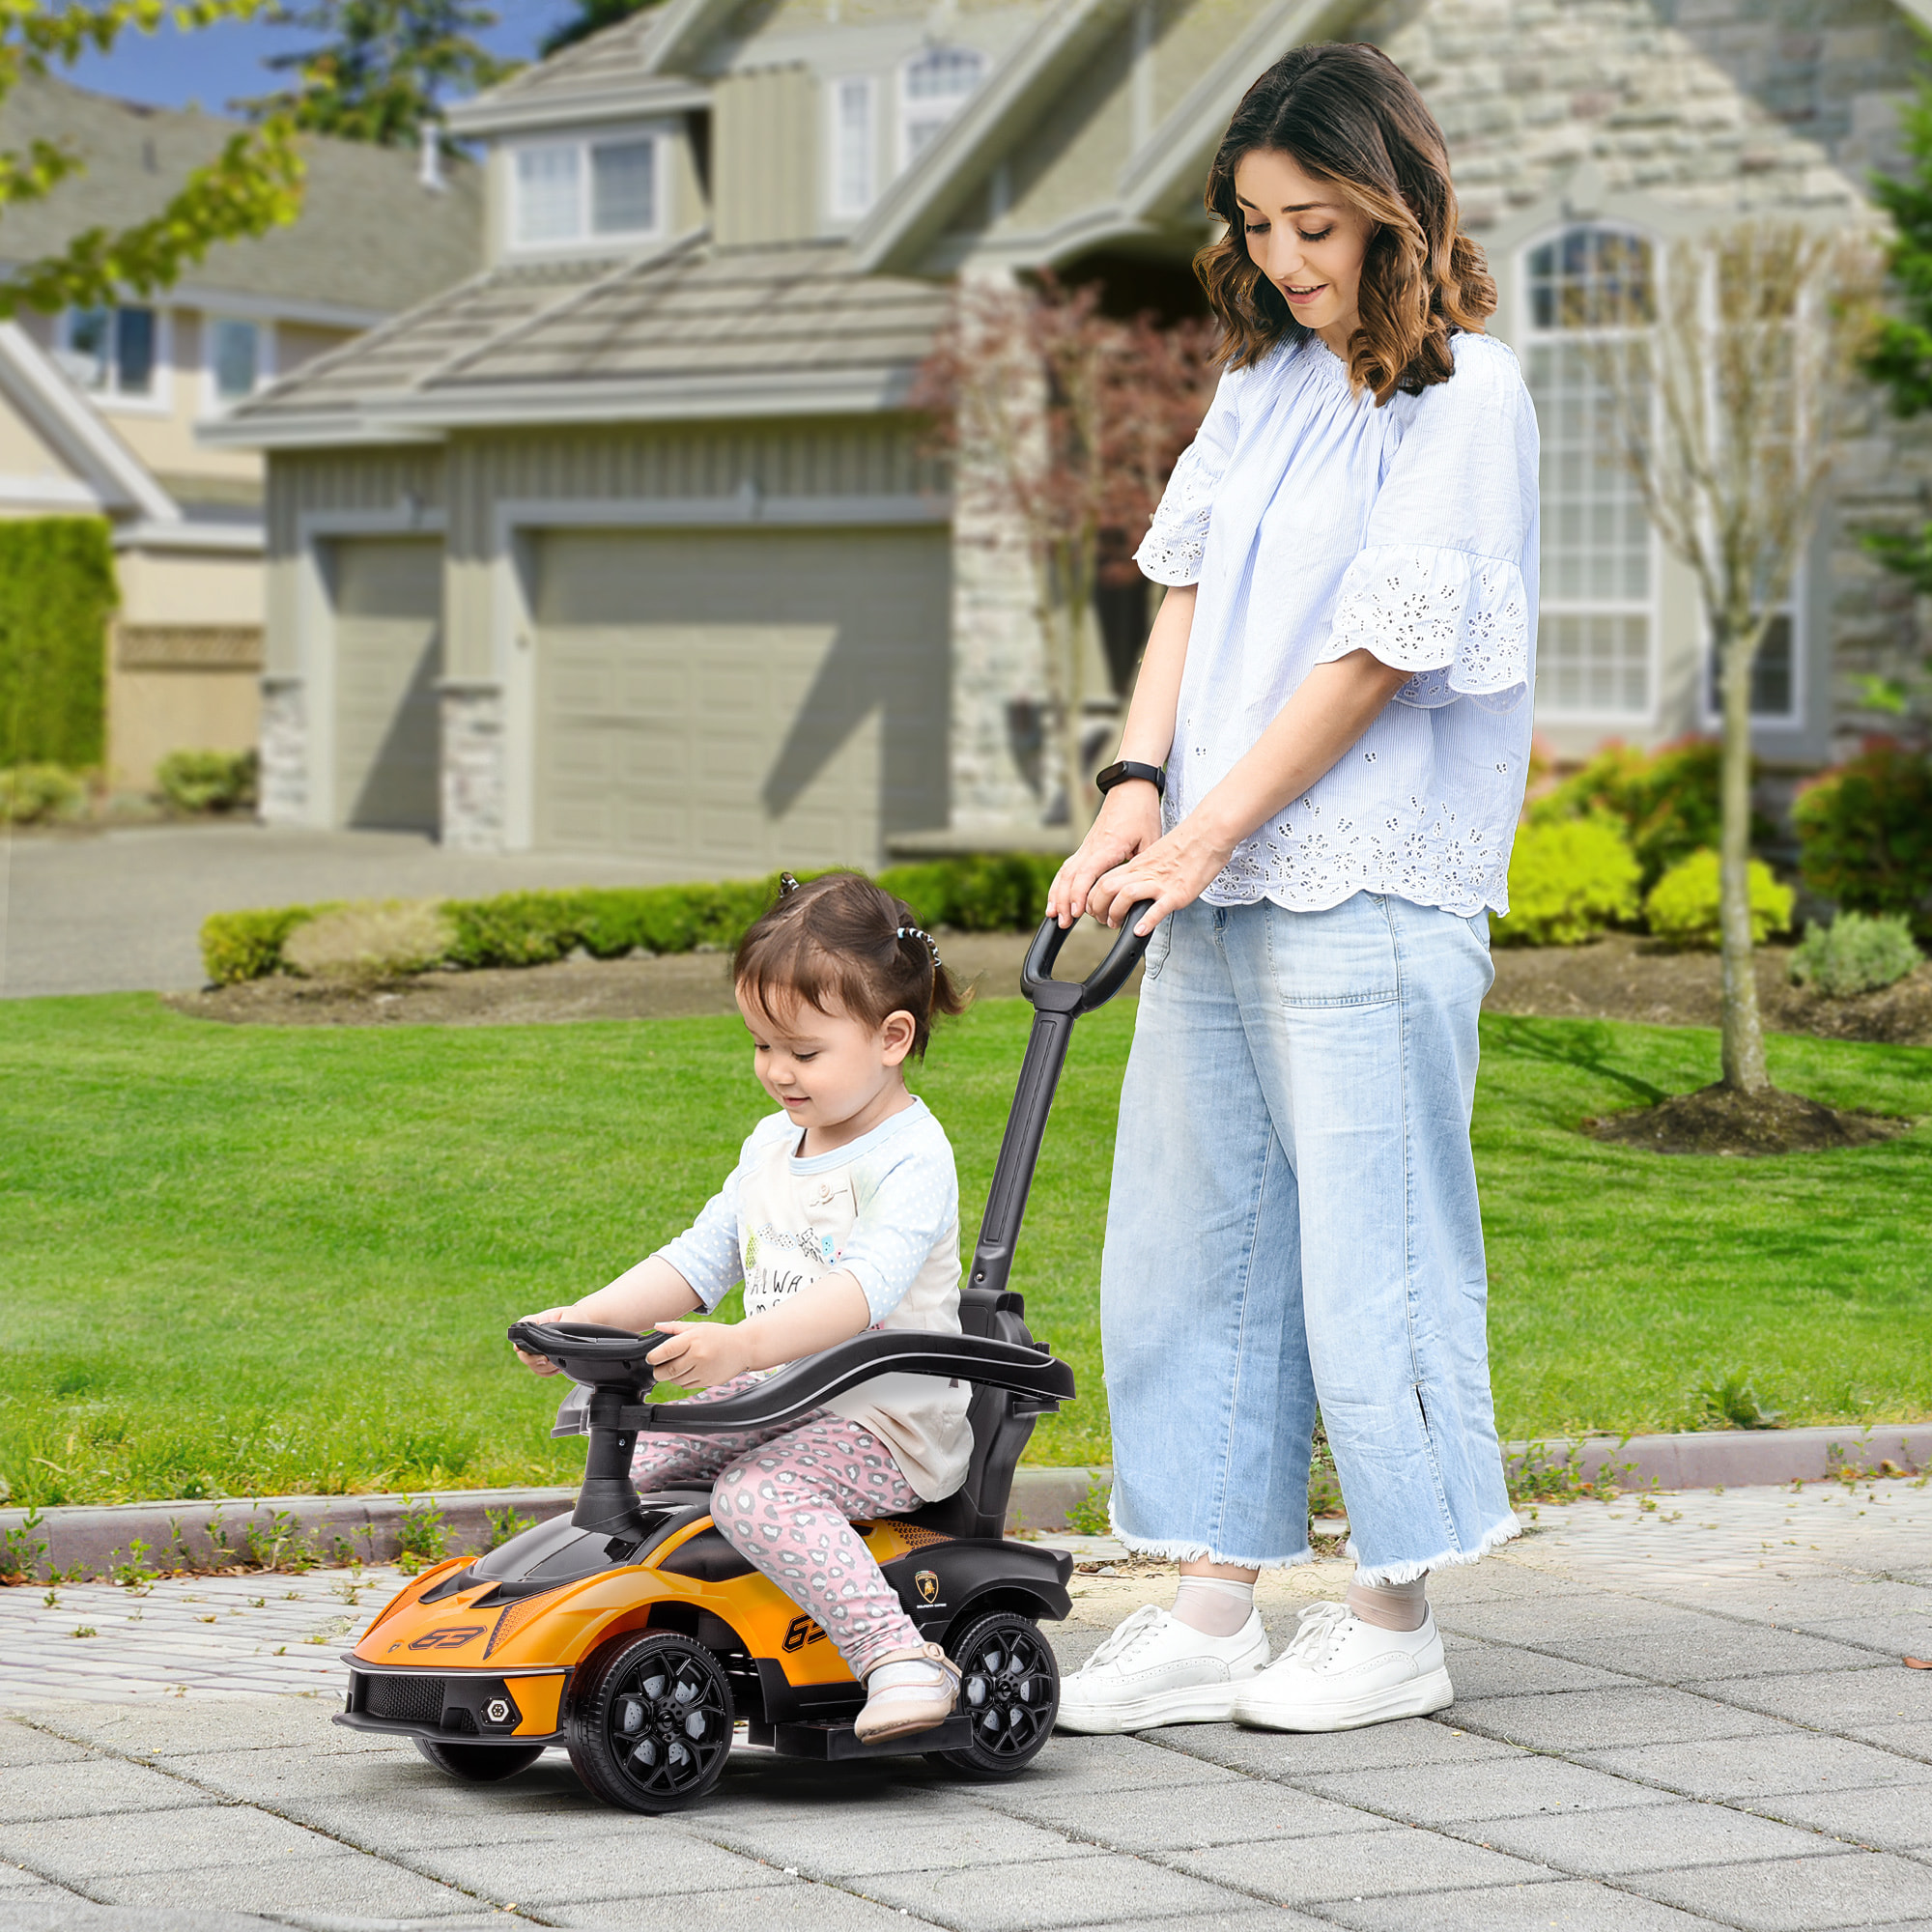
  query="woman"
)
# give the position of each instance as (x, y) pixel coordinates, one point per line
(1336, 688)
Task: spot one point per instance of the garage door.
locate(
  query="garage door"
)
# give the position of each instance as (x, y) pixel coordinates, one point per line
(388, 655)
(734, 702)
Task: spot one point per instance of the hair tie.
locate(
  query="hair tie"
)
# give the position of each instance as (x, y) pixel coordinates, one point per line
(919, 932)
(788, 885)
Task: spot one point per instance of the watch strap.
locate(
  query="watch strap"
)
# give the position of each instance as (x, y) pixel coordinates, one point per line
(1131, 768)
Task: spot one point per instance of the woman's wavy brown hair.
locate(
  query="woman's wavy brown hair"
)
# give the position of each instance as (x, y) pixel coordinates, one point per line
(1349, 116)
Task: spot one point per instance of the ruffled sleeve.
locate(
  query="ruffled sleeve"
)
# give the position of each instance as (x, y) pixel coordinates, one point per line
(1437, 588)
(1177, 540)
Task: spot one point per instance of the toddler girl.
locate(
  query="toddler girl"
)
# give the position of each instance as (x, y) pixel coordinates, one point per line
(842, 1214)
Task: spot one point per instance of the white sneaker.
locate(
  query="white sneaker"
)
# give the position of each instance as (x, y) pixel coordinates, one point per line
(1155, 1669)
(1338, 1672)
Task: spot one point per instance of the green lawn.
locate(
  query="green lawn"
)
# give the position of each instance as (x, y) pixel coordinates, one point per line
(248, 1258)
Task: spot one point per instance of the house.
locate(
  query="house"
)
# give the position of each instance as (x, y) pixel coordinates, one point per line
(627, 544)
(100, 408)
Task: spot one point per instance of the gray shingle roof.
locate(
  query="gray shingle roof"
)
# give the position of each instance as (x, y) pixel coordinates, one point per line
(663, 338)
(614, 58)
(369, 237)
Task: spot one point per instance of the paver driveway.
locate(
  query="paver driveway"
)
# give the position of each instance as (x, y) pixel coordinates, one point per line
(1690, 1715)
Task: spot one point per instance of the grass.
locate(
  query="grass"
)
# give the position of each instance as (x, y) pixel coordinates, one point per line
(249, 1261)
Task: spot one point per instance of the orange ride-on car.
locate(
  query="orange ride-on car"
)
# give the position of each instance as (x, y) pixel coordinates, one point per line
(634, 1635)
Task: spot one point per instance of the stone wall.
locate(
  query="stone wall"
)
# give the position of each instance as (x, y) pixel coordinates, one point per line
(473, 766)
(283, 782)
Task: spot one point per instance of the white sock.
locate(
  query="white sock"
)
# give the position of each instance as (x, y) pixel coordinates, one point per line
(1390, 1607)
(1213, 1606)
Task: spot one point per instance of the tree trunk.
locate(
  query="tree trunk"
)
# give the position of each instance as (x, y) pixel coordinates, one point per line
(1743, 1030)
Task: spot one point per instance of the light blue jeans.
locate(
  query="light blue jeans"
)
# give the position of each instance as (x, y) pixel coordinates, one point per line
(1294, 1224)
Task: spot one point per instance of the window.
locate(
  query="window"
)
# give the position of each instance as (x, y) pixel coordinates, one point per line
(932, 88)
(1595, 641)
(568, 191)
(1773, 691)
(854, 146)
(112, 350)
(235, 358)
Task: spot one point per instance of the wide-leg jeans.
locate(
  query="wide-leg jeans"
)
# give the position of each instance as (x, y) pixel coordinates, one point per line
(1293, 1227)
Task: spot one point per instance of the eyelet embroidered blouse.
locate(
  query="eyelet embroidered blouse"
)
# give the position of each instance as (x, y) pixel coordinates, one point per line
(1317, 524)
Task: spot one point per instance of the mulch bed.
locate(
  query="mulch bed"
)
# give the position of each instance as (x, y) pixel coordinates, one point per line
(1626, 977)
(1716, 1119)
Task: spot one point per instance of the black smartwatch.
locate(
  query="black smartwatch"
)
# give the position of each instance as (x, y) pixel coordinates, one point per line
(1129, 768)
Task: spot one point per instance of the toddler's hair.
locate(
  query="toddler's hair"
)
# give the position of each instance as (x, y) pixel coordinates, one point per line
(841, 937)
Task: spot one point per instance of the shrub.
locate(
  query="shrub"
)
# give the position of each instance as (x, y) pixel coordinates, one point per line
(1681, 907)
(238, 946)
(512, 929)
(1864, 833)
(56, 594)
(208, 780)
(32, 794)
(370, 939)
(1567, 881)
(1856, 953)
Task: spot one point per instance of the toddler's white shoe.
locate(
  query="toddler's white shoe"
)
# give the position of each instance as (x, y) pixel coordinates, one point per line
(1155, 1669)
(1338, 1672)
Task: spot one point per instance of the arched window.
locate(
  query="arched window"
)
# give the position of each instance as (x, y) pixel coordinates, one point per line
(933, 86)
(1596, 644)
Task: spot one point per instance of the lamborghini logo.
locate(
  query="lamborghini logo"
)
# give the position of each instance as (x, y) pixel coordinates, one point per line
(927, 1586)
(453, 1638)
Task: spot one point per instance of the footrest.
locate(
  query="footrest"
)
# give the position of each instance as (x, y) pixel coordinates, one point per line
(840, 1743)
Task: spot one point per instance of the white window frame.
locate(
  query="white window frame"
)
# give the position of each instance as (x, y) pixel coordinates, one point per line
(908, 113)
(866, 90)
(585, 239)
(1530, 336)
(160, 399)
(213, 402)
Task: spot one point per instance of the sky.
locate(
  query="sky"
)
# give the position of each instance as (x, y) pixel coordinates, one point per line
(220, 64)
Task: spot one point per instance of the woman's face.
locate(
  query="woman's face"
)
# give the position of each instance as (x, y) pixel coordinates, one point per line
(1305, 240)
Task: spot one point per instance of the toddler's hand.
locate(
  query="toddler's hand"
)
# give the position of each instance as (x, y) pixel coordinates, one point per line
(537, 1364)
(700, 1355)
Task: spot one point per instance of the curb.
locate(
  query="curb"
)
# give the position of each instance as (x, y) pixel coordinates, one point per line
(200, 1535)
(1723, 1459)
(97, 1539)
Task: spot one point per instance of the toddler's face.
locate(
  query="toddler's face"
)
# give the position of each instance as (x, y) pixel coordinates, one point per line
(823, 1069)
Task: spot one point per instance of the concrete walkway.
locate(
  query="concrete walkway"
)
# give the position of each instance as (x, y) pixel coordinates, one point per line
(1690, 1713)
(111, 912)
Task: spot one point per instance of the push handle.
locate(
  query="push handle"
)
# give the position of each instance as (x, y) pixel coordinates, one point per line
(1057, 1004)
(1066, 996)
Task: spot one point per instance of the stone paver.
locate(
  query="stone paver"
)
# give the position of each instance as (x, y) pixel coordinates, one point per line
(1664, 1725)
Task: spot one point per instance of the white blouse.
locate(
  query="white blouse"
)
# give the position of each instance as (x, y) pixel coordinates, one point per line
(1317, 524)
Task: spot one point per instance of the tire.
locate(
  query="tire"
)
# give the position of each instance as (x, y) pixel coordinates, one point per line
(1010, 1686)
(480, 1764)
(651, 1721)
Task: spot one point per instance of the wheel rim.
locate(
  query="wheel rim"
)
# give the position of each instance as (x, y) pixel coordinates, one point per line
(1007, 1689)
(668, 1723)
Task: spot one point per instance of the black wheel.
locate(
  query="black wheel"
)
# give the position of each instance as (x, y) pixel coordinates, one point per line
(1009, 1686)
(480, 1764)
(651, 1721)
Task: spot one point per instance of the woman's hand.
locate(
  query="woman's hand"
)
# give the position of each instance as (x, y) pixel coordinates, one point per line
(1171, 871)
(700, 1355)
(1128, 823)
(538, 1365)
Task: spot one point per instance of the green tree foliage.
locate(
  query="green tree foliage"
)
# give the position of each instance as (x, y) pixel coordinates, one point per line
(56, 593)
(592, 16)
(384, 69)
(252, 185)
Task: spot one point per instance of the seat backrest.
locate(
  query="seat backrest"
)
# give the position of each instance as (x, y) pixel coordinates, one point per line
(1002, 1424)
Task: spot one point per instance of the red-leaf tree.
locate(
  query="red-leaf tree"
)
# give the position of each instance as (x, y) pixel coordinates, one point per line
(1062, 424)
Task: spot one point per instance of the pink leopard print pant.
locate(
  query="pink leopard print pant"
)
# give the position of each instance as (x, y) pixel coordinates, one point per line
(785, 1498)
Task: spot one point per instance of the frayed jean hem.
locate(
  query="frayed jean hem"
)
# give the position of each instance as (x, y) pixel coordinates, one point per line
(1382, 1576)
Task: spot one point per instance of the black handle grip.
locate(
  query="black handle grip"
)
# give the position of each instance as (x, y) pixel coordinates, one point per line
(589, 1351)
(1065, 996)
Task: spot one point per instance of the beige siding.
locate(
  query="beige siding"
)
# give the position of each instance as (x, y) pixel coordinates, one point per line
(764, 156)
(740, 701)
(387, 599)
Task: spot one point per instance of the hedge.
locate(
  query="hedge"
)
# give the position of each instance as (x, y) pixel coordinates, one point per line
(976, 893)
(57, 591)
(1864, 833)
